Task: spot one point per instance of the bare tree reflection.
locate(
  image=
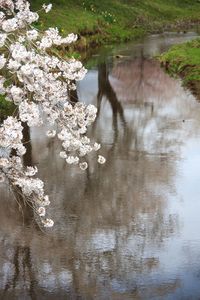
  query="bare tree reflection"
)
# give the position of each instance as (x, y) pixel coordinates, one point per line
(113, 223)
(22, 265)
(21, 254)
(105, 89)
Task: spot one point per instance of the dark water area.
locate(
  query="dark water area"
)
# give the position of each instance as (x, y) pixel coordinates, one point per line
(128, 229)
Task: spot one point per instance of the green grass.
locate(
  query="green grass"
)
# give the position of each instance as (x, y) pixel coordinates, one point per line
(114, 20)
(107, 21)
(6, 108)
(184, 60)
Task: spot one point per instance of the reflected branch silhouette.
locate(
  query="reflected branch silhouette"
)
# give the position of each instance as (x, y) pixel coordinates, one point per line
(105, 89)
(116, 224)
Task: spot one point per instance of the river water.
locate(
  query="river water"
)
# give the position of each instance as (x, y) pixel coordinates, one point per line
(129, 229)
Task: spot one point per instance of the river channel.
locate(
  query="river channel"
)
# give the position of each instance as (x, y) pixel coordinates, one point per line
(129, 229)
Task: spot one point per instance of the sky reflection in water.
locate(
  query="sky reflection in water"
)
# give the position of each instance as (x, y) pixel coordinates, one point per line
(128, 229)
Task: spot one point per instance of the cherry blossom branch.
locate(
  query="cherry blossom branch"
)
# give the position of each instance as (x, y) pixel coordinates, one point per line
(38, 83)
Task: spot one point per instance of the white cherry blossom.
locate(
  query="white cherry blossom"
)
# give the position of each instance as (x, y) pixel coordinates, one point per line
(47, 8)
(39, 84)
(83, 166)
(101, 159)
(3, 37)
(2, 61)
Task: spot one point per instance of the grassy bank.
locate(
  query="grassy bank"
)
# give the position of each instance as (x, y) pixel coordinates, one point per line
(184, 60)
(109, 21)
(100, 22)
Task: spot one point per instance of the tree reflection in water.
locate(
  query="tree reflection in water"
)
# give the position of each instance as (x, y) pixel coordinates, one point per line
(106, 90)
(113, 223)
(15, 278)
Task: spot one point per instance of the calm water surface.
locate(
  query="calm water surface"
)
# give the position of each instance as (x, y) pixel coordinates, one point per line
(129, 229)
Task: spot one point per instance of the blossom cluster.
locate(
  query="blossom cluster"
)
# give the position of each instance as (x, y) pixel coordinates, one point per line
(39, 83)
(12, 169)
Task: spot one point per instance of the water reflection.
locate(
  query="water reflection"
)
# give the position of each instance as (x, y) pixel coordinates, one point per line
(122, 229)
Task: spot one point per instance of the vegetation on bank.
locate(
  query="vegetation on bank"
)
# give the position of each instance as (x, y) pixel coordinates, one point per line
(105, 22)
(184, 60)
(100, 22)
(6, 108)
